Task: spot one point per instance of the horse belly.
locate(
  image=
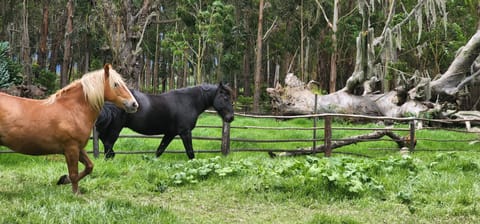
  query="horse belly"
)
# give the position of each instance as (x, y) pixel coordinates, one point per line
(31, 145)
(149, 126)
(28, 138)
(149, 130)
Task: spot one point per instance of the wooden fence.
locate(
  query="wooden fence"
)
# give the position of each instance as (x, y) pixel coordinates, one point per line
(318, 145)
(327, 142)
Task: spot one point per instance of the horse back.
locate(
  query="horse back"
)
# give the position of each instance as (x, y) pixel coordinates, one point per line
(167, 113)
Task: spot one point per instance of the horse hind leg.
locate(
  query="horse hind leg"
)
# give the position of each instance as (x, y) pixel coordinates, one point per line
(87, 162)
(73, 176)
(187, 143)
(163, 144)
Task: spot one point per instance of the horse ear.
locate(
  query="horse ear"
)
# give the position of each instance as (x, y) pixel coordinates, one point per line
(221, 84)
(106, 68)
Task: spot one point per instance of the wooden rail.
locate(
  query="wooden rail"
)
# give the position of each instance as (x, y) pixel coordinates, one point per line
(327, 140)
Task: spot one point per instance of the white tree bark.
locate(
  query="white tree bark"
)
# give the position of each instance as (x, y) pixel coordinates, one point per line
(449, 83)
(425, 97)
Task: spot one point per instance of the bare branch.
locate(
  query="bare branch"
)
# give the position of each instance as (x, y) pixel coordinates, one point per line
(274, 24)
(138, 49)
(389, 18)
(467, 80)
(142, 10)
(324, 14)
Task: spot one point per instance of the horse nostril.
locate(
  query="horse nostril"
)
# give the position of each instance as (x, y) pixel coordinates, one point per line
(229, 119)
(130, 106)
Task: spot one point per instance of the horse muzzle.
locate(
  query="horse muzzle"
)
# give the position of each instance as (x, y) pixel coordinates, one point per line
(130, 106)
(228, 118)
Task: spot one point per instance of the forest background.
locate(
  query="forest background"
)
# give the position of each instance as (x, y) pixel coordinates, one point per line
(160, 45)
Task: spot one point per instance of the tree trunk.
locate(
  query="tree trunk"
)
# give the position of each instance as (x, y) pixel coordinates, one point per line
(246, 69)
(401, 142)
(125, 29)
(67, 51)
(43, 50)
(334, 57)
(247, 57)
(451, 82)
(258, 61)
(184, 75)
(302, 45)
(199, 65)
(27, 61)
(3, 15)
(57, 39)
(86, 59)
(147, 83)
(156, 68)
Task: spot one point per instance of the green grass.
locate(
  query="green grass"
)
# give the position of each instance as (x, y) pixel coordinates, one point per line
(385, 187)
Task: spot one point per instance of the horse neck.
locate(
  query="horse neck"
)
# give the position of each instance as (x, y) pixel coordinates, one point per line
(208, 95)
(74, 99)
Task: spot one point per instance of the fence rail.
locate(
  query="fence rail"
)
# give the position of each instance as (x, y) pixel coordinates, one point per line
(327, 129)
(327, 141)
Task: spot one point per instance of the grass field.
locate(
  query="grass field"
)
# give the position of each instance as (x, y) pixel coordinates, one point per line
(383, 186)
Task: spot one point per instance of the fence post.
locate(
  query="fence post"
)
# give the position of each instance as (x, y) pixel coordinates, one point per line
(411, 146)
(328, 136)
(96, 151)
(226, 138)
(314, 146)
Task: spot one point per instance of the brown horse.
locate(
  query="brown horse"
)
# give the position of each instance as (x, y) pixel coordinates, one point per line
(61, 124)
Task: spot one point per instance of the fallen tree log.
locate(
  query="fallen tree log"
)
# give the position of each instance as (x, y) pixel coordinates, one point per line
(402, 142)
(296, 98)
(419, 96)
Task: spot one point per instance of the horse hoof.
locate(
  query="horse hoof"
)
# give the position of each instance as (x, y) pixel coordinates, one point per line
(109, 155)
(63, 180)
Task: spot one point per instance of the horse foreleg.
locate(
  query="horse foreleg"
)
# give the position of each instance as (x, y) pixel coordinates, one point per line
(164, 143)
(187, 143)
(71, 156)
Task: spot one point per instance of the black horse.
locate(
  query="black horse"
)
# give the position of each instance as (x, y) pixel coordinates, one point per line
(172, 113)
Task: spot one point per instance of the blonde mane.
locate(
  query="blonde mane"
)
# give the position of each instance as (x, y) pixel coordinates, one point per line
(93, 87)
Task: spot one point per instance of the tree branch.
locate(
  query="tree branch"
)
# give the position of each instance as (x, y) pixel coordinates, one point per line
(138, 49)
(389, 18)
(324, 14)
(274, 24)
(401, 142)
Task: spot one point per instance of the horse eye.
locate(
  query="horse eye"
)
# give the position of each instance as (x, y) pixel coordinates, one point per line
(115, 85)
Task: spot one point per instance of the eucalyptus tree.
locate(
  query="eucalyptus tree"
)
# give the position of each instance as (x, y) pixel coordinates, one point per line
(205, 26)
(258, 59)
(124, 23)
(67, 47)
